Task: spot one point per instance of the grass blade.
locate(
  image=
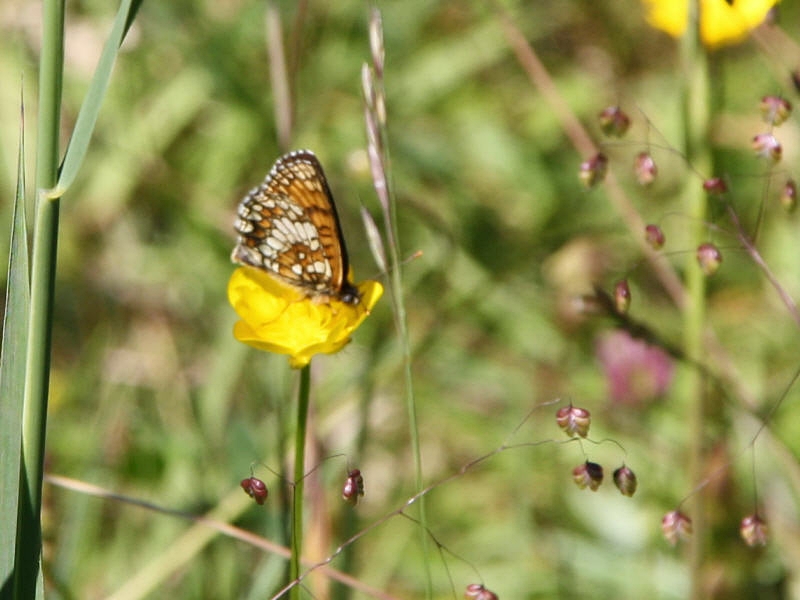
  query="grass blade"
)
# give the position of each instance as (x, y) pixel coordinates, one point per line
(12, 369)
(90, 109)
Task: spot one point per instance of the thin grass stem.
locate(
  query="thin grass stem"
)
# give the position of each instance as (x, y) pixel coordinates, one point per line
(377, 150)
(401, 322)
(279, 77)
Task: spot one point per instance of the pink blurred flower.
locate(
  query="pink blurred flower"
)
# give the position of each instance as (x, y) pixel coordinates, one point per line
(636, 372)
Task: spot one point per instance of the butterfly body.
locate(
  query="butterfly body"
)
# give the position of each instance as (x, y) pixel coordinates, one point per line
(288, 227)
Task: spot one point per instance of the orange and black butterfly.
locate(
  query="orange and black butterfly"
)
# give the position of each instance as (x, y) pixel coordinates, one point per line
(289, 228)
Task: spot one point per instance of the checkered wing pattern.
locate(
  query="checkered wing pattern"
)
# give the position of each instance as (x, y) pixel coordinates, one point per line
(288, 226)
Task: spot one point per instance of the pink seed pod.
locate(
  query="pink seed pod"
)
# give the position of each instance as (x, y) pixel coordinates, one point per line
(625, 480)
(709, 258)
(753, 530)
(775, 110)
(767, 146)
(654, 237)
(353, 487)
(645, 168)
(715, 186)
(574, 420)
(676, 526)
(593, 170)
(622, 296)
(475, 591)
(589, 475)
(255, 488)
(614, 122)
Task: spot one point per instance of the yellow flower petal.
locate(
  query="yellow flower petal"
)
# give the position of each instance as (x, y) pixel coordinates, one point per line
(720, 22)
(668, 15)
(724, 23)
(278, 318)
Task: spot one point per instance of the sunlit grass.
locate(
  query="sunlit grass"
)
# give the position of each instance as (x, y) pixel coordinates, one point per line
(151, 396)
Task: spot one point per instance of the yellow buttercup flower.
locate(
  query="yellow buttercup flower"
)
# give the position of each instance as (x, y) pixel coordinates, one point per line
(280, 318)
(721, 22)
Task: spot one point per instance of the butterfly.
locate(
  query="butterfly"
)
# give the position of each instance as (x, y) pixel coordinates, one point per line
(289, 228)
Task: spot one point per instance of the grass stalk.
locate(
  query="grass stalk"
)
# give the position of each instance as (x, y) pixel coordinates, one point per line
(279, 77)
(37, 363)
(411, 404)
(377, 150)
(51, 182)
(299, 477)
(696, 106)
(401, 323)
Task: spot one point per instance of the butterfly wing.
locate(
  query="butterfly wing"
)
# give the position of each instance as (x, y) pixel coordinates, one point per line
(288, 226)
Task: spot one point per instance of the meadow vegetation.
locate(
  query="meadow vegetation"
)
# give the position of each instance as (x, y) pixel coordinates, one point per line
(152, 398)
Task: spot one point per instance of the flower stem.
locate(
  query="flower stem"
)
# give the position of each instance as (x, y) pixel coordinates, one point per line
(299, 474)
(696, 105)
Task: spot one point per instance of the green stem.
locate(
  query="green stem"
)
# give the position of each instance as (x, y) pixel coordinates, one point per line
(43, 262)
(696, 119)
(299, 477)
(411, 408)
(401, 323)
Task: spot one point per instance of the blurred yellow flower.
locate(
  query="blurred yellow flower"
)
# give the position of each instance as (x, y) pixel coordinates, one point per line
(721, 21)
(278, 318)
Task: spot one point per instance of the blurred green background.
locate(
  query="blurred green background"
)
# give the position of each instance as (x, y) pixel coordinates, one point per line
(152, 397)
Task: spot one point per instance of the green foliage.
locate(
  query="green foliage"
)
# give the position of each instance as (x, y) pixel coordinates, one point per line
(12, 367)
(152, 398)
